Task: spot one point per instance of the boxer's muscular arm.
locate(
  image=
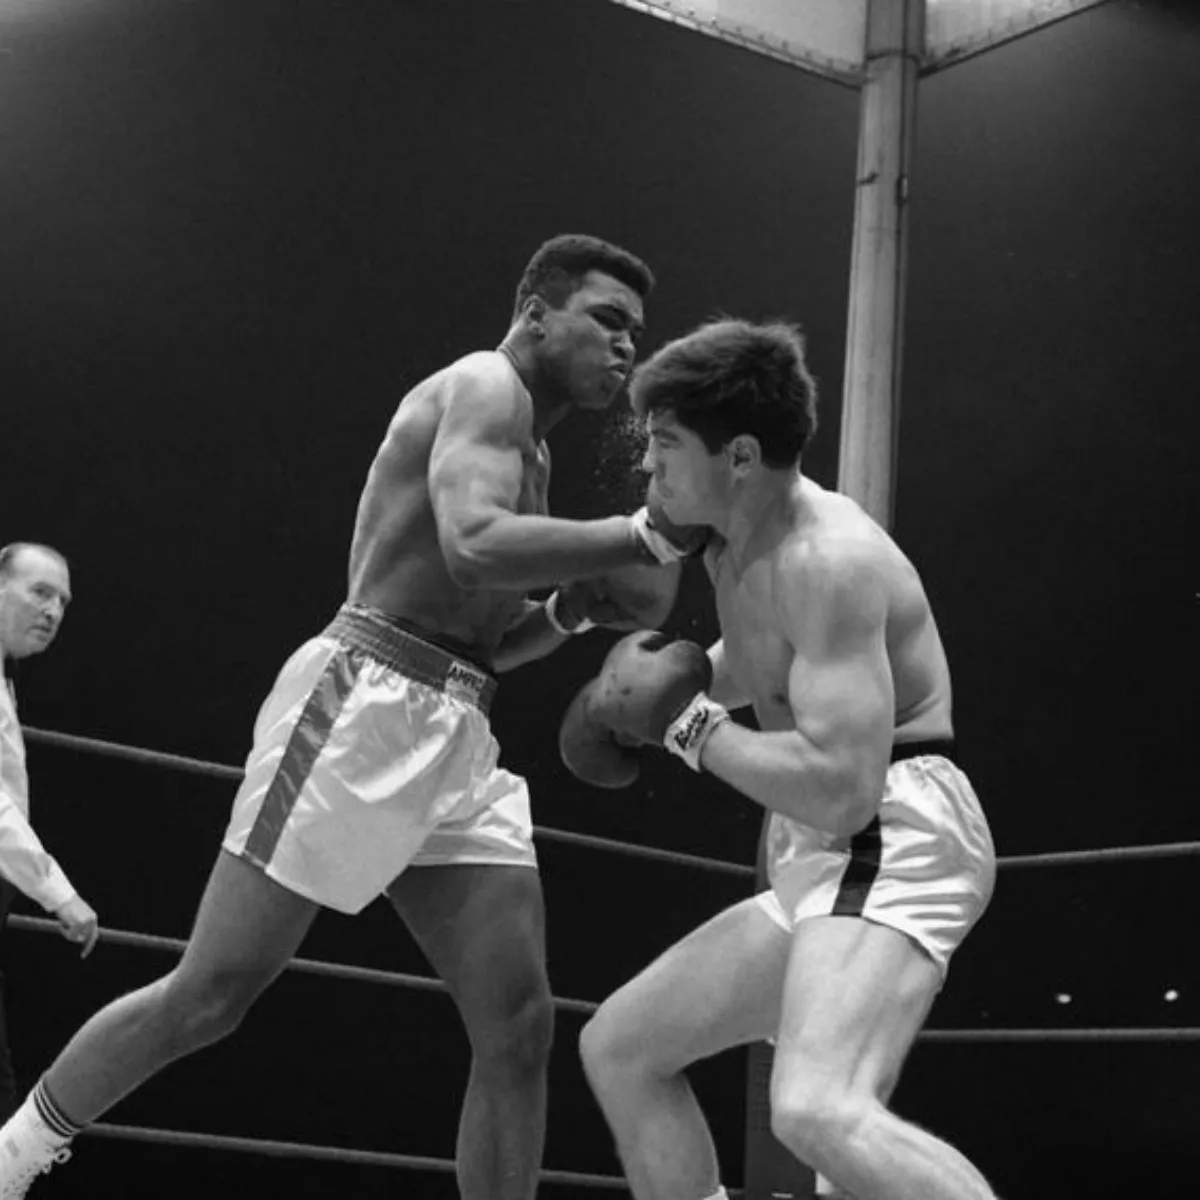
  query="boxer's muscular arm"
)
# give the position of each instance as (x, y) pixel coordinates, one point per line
(476, 471)
(724, 690)
(531, 636)
(829, 771)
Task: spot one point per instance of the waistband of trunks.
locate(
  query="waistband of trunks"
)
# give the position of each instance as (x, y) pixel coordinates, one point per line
(941, 746)
(358, 627)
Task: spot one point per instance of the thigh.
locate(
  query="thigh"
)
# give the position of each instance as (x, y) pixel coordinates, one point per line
(855, 997)
(718, 987)
(497, 831)
(248, 926)
(482, 927)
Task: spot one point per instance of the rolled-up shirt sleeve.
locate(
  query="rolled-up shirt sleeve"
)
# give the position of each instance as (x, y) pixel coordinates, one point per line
(24, 861)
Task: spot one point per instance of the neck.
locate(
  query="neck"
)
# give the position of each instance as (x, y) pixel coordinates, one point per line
(767, 500)
(550, 404)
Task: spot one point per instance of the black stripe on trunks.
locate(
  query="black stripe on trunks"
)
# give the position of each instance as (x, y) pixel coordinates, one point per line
(866, 846)
(325, 703)
(866, 850)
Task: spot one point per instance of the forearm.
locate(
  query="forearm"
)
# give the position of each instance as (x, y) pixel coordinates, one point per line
(531, 638)
(787, 774)
(525, 551)
(723, 688)
(25, 863)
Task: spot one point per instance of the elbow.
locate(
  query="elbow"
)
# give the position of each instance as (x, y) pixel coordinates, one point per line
(857, 802)
(853, 816)
(464, 550)
(464, 570)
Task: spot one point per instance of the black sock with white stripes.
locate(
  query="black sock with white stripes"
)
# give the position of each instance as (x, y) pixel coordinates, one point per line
(47, 1108)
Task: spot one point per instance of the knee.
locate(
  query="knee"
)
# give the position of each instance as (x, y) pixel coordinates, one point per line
(606, 1049)
(516, 1035)
(198, 1010)
(817, 1125)
(596, 1044)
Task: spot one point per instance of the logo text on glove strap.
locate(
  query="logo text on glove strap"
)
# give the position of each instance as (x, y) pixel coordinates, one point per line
(692, 729)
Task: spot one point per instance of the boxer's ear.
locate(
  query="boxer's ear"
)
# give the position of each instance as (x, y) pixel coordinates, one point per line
(744, 454)
(534, 313)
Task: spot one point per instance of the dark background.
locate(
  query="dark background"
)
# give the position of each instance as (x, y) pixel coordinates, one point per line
(235, 232)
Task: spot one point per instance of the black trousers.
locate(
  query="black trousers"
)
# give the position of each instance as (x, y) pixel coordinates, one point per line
(8, 1083)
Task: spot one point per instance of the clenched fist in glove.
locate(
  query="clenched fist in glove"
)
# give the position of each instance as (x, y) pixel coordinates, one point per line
(661, 538)
(640, 596)
(650, 690)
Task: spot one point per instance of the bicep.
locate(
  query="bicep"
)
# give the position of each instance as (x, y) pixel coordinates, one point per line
(475, 466)
(843, 699)
(840, 686)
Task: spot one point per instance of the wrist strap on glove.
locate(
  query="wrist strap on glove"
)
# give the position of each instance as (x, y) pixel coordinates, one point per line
(581, 626)
(689, 731)
(653, 543)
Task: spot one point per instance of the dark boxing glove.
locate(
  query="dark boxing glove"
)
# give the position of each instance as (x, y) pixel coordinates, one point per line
(639, 596)
(590, 749)
(661, 538)
(649, 690)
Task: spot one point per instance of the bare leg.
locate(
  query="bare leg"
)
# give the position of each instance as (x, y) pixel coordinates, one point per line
(482, 929)
(246, 930)
(717, 988)
(855, 997)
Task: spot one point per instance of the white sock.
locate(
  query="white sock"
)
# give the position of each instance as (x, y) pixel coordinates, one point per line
(719, 1194)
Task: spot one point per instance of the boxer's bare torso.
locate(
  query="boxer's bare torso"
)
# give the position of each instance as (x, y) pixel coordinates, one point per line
(771, 607)
(397, 564)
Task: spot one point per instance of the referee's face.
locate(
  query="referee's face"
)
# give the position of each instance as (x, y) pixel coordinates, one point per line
(34, 594)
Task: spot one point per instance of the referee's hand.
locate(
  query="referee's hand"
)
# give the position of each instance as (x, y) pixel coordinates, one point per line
(79, 924)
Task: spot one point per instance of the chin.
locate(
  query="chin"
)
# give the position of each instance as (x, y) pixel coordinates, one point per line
(678, 513)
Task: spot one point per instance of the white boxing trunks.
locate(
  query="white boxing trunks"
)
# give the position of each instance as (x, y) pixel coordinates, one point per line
(925, 865)
(373, 753)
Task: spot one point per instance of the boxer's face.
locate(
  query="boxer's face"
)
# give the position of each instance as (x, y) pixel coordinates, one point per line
(33, 600)
(588, 344)
(689, 481)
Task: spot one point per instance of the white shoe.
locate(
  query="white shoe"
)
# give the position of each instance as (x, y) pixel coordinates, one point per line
(17, 1176)
(27, 1149)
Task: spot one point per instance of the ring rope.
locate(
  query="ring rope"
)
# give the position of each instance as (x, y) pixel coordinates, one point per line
(1058, 858)
(306, 966)
(339, 1154)
(196, 766)
(146, 941)
(1181, 1033)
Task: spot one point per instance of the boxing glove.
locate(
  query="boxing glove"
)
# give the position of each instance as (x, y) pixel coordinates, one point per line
(663, 540)
(639, 596)
(651, 689)
(590, 749)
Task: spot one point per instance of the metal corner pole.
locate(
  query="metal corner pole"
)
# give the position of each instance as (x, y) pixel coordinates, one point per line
(874, 337)
(895, 42)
